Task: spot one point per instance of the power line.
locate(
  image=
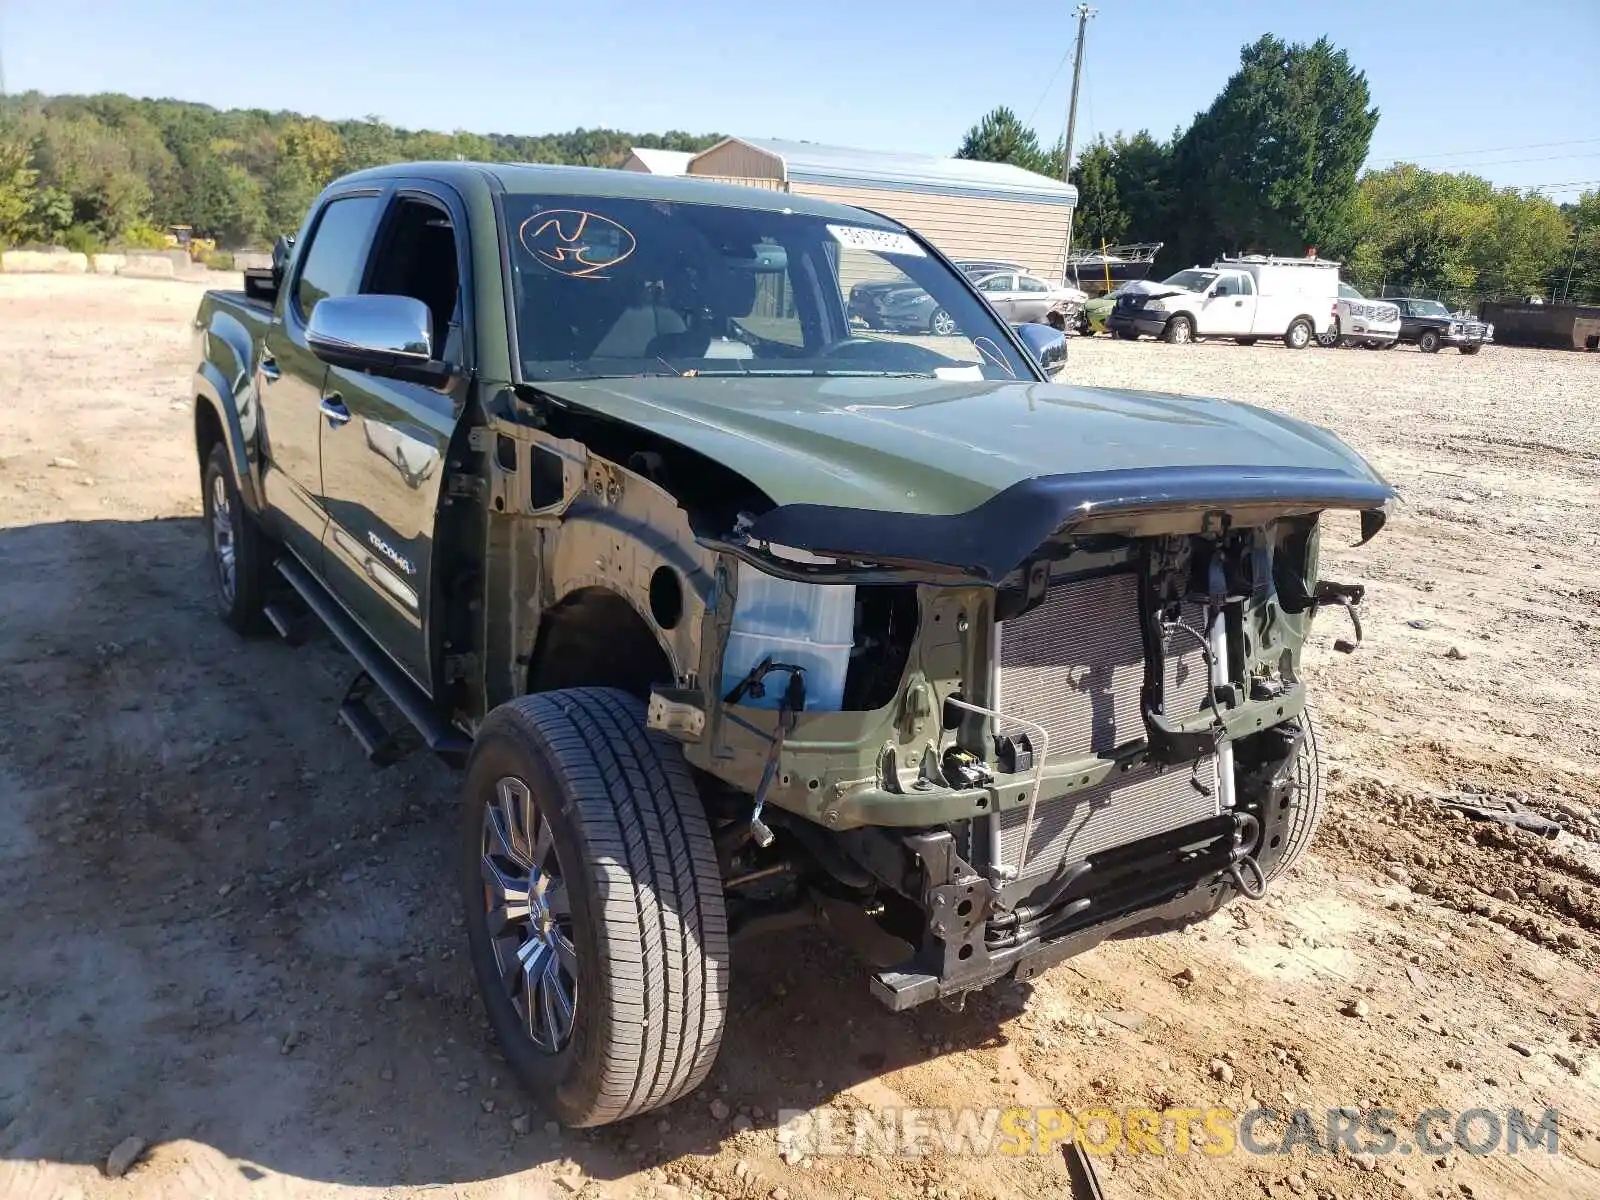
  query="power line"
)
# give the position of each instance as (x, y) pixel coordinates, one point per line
(1491, 150)
(1054, 75)
(1502, 162)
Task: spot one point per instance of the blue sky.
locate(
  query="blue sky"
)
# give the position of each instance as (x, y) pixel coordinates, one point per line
(1511, 91)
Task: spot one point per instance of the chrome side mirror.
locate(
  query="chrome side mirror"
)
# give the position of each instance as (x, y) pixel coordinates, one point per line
(1047, 345)
(384, 335)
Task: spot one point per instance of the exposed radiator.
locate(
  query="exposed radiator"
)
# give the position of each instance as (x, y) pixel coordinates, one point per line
(1139, 804)
(1075, 665)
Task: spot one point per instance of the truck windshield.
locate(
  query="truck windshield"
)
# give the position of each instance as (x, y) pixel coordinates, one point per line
(1191, 280)
(616, 286)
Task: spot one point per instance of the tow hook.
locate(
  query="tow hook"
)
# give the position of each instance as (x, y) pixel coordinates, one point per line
(1247, 874)
(1347, 596)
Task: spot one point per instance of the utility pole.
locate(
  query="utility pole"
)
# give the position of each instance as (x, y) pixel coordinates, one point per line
(1083, 12)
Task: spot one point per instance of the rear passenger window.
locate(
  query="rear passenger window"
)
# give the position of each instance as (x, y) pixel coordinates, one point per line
(338, 252)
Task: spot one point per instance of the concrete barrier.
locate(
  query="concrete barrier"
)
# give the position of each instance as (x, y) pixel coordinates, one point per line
(55, 261)
(147, 266)
(107, 264)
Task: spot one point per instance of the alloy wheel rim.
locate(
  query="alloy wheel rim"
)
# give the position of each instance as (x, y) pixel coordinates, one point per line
(1180, 332)
(223, 549)
(943, 324)
(529, 915)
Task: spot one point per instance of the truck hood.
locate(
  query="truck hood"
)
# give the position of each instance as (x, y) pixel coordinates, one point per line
(878, 467)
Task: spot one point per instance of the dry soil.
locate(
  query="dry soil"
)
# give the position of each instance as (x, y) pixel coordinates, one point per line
(225, 935)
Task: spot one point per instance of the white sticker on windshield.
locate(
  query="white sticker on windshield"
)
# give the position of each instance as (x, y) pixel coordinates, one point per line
(883, 241)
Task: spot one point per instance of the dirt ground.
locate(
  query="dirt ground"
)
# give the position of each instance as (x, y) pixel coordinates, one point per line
(223, 933)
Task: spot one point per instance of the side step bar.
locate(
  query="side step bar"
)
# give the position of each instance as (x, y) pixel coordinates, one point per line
(437, 734)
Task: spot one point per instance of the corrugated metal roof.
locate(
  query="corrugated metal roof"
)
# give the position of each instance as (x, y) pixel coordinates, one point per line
(663, 162)
(811, 162)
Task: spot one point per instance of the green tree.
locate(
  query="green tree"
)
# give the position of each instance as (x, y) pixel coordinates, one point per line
(1002, 137)
(1273, 163)
(1578, 278)
(1101, 217)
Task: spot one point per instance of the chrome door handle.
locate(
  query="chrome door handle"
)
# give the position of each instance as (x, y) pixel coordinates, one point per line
(333, 408)
(270, 370)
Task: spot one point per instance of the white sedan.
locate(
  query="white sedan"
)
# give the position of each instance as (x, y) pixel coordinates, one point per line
(1019, 297)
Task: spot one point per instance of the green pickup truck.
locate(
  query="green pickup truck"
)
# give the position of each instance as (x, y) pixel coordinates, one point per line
(737, 617)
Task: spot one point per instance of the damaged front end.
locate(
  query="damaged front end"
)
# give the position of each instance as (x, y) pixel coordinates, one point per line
(1072, 712)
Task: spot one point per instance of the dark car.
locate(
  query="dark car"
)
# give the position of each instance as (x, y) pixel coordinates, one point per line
(1429, 325)
(867, 299)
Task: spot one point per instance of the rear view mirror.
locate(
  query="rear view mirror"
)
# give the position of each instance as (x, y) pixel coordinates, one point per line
(1048, 346)
(386, 335)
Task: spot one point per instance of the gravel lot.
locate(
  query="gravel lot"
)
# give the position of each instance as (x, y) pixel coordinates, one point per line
(223, 934)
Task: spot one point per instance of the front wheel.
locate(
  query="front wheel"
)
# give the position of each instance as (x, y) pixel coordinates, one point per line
(1179, 331)
(1299, 334)
(941, 323)
(1305, 800)
(1428, 343)
(594, 905)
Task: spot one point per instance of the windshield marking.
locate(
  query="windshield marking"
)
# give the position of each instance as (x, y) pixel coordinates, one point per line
(881, 241)
(989, 350)
(563, 252)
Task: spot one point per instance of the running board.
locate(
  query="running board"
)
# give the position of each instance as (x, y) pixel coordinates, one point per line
(437, 733)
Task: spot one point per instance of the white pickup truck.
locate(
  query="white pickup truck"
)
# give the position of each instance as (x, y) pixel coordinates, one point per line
(1243, 298)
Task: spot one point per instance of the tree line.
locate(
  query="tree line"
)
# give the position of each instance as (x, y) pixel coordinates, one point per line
(1274, 166)
(91, 172)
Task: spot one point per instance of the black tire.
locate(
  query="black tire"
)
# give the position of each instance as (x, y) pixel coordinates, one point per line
(1246, 341)
(1127, 335)
(643, 894)
(236, 543)
(1300, 334)
(1083, 327)
(1306, 805)
(1179, 331)
(1470, 349)
(1394, 345)
(1428, 341)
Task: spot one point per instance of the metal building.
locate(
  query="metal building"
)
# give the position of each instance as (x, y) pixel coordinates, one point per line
(657, 162)
(968, 209)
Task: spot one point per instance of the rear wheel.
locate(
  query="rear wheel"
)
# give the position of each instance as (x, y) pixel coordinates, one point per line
(1299, 334)
(1329, 340)
(1179, 331)
(593, 904)
(1428, 343)
(240, 553)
